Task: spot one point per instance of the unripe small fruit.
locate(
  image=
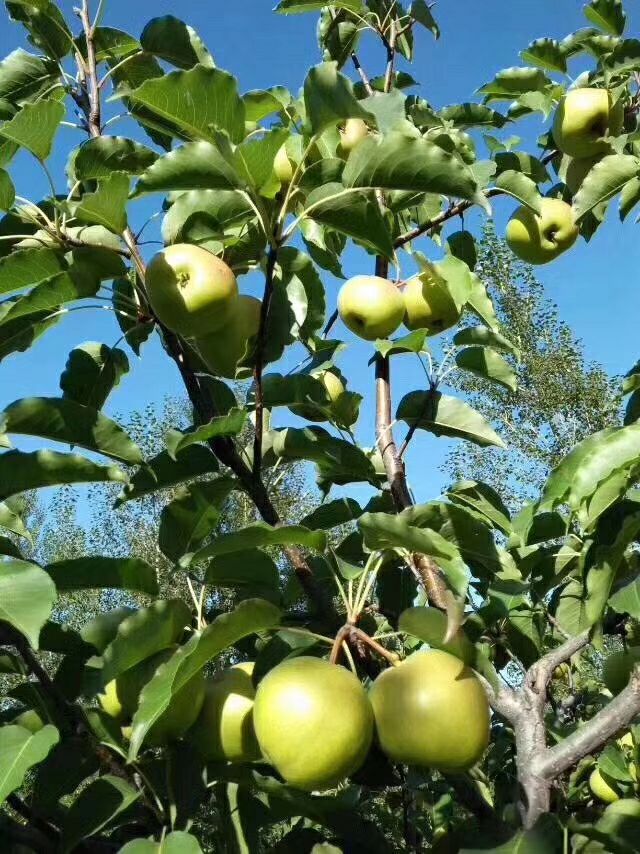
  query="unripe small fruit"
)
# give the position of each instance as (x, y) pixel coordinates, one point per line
(192, 292)
(335, 389)
(313, 721)
(224, 731)
(603, 787)
(540, 238)
(354, 131)
(371, 307)
(283, 167)
(431, 711)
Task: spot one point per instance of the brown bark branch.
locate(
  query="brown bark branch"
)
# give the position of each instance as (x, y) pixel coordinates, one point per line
(272, 258)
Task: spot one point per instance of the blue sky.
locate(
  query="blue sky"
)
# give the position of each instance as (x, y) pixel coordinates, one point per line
(594, 285)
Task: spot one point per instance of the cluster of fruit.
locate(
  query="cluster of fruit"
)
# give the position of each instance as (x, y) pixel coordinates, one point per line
(314, 722)
(584, 124)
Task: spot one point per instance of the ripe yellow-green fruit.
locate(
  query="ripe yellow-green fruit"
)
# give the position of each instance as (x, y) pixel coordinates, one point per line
(428, 303)
(313, 721)
(354, 131)
(182, 711)
(431, 711)
(191, 291)
(110, 701)
(283, 167)
(371, 307)
(224, 731)
(540, 238)
(603, 787)
(222, 350)
(30, 720)
(335, 389)
(583, 120)
(618, 667)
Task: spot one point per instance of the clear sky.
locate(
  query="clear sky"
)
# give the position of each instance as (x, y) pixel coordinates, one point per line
(595, 285)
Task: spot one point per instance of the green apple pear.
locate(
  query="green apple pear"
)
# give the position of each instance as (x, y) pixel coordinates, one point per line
(192, 292)
(431, 711)
(603, 787)
(224, 349)
(371, 307)
(584, 119)
(224, 731)
(283, 167)
(354, 131)
(428, 303)
(540, 238)
(313, 721)
(183, 709)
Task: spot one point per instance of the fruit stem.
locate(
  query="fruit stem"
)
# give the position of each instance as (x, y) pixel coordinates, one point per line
(349, 632)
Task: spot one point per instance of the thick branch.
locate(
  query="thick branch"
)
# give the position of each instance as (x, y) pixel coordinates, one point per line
(617, 715)
(539, 674)
(93, 118)
(259, 361)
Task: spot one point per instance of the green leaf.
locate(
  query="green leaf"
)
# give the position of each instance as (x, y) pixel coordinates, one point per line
(92, 372)
(45, 24)
(414, 342)
(420, 11)
(605, 180)
(251, 572)
(520, 161)
(608, 15)
(354, 214)
(384, 531)
(470, 115)
(570, 610)
(333, 513)
(11, 520)
(163, 472)
(430, 626)
(559, 482)
(629, 197)
(329, 98)
(508, 84)
(27, 268)
(626, 599)
(520, 187)
(292, 389)
(294, 7)
(18, 335)
(144, 633)
(27, 596)
(305, 291)
(7, 191)
(483, 499)
(225, 425)
(546, 54)
(480, 303)
(625, 57)
(446, 416)
(76, 284)
(174, 41)
(20, 472)
(481, 336)
(192, 516)
(486, 363)
(194, 166)
(399, 162)
(338, 461)
(255, 158)
(23, 75)
(261, 535)
(248, 618)
(104, 155)
(111, 45)
(63, 420)
(107, 206)
(101, 631)
(173, 99)
(104, 573)
(20, 750)
(261, 103)
(199, 213)
(34, 127)
(96, 807)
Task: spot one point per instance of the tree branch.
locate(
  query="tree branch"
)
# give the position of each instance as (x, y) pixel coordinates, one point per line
(539, 674)
(616, 715)
(272, 258)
